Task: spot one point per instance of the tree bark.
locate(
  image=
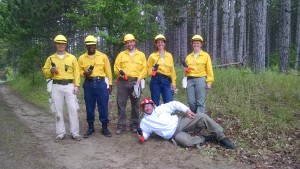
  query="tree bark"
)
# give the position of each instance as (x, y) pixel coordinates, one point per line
(231, 52)
(225, 42)
(285, 35)
(215, 30)
(208, 16)
(259, 34)
(242, 31)
(297, 39)
(197, 26)
(183, 36)
(161, 19)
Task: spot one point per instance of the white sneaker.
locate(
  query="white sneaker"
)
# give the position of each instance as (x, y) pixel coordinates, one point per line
(60, 137)
(76, 137)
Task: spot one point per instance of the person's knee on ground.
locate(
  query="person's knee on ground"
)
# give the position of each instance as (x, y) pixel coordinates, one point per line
(186, 140)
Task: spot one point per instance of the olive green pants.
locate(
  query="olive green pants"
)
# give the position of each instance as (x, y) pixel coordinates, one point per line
(124, 91)
(200, 121)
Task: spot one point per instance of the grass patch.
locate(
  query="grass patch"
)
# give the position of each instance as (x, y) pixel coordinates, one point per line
(261, 112)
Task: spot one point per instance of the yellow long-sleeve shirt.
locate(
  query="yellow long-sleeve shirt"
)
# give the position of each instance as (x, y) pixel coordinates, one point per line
(133, 66)
(100, 62)
(67, 68)
(201, 66)
(166, 65)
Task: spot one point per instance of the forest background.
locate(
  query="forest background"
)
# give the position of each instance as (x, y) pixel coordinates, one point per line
(258, 34)
(256, 103)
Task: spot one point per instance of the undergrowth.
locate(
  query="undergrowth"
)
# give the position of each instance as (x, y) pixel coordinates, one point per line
(260, 112)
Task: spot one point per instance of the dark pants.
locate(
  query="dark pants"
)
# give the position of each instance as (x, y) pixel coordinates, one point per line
(96, 91)
(124, 90)
(160, 85)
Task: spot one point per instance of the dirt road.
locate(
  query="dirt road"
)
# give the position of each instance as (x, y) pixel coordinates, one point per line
(32, 145)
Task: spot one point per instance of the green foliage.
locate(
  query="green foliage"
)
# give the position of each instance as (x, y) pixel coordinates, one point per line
(275, 58)
(28, 59)
(114, 18)
(35, 92)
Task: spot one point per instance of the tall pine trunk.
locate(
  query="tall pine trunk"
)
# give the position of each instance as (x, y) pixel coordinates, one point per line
(161, 19)
(197, 26)
(215, 30)
(297, 39)
(231, 52)
(285, 35)
(208, 23)
(183, 34)
(242, 31)
(259, 18)
(225, 37)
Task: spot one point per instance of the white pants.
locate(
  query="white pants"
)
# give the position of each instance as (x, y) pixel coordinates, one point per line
(59, 94)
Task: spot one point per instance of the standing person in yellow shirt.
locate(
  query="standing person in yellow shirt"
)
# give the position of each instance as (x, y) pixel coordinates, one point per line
(199, 74)
(94, 67)
(63, 68)
(160, 66)
(130, 67)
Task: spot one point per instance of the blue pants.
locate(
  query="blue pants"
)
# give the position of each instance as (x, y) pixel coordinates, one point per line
(95, 91)
(196, 93)
(160, 85)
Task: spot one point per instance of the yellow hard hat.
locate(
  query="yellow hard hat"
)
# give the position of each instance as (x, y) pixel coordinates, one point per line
(90, 40)
(60, 39)
(160, 37)
(197, 38)
(128, 37)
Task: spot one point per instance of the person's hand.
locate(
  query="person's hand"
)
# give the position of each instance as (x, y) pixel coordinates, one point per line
(173, 87)
(141, 138)
(190, 114)
(75, 90)
(110, 89)
(54, 70)
(87, 73)
(138, 81)
(208, 86)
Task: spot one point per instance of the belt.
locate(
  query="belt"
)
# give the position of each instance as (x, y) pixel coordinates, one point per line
(192, 77)
(128, 78)
(163, 76)
(62, 82)
(94, 78)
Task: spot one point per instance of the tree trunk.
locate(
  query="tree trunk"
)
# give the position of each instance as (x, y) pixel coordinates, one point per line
(285, 35)
(208, 16)
(225, 44)
(161, 19)
(197, 26)
(242, 31)
(215, 30)
(259, 34)
(231, 50)
(183, 36)
(297, 39)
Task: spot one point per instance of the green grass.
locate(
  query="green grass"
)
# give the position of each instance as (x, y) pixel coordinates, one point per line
(260, 111)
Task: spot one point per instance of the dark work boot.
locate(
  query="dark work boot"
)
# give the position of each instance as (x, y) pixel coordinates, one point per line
(226, 143)
(133, 128)
(90, 131)
(210, 138)
(105, 131)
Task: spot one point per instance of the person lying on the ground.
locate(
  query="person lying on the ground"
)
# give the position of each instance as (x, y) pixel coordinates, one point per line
(159, 120)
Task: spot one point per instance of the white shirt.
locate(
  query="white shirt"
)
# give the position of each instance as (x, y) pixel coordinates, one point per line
(161, 122)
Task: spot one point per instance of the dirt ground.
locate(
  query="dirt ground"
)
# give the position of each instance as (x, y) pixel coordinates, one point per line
(27, 141)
